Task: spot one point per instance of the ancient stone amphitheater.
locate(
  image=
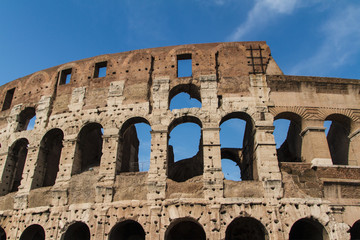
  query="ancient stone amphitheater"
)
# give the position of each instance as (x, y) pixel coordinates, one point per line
(75, 175)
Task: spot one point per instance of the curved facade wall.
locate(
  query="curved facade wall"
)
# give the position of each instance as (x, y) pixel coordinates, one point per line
(77, 172)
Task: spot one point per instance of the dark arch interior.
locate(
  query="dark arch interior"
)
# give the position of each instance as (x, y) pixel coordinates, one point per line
(129, 143)
(355, 231)
(49, 158)
(24, 118)
(307, 229)
(245, 228)
(183, 168)
(89, 146)
(188, 230)
(17, 162)
(239, 148)
(290, 149)
(338, 139)
(34, 232)
(2, 234)
(127, 230)
(77, 231)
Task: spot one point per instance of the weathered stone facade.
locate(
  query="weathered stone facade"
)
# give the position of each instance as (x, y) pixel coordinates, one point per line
(68, 179)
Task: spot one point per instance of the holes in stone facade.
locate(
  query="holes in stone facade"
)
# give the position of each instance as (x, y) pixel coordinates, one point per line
(134, 146)
(26, 119)
(65, 76)
(185, 229)
(100, 69)
(237, 145)
(338, 138)
(128, 229)
(185, 149)
(2, 234)
(184, 96)
(33, 232)
(246, 228)
(307, 229)
(77, 231)
(355, 231)
(287, 137)
(8, 99)
(184, 65)
(47, 165)
(89, 148)
(14, 166)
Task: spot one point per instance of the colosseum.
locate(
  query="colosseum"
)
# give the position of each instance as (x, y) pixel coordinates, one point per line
(76, 174)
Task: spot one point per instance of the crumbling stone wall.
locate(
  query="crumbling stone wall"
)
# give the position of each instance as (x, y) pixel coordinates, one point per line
(80, 177)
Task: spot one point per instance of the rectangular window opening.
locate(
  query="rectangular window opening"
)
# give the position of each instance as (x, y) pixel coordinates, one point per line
(8, 99)
(100, 69)
(65, 76)
(184, 65)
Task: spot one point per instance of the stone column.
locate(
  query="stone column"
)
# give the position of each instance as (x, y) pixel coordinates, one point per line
(213, 175)
(315, 148)
(354, 145)
(20, 200)
(68, 154)
(107, 171)
(158, 164)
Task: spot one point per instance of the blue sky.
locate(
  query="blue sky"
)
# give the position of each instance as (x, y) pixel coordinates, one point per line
(306, 37)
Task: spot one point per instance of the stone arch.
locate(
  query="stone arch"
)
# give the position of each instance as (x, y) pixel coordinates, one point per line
(128, 147)
(48, 161)
(308, 228)
(290, 149)
(246, 228)
(2, 234)
(246, 154)
(88, 148)
(14, 166)
(185, 169)
(185, 228)
(128, 229)
(191, 89)
(37, 79)
(355, 231)
(24, 118)
(77, 231)
(338, 138)
(33, 232)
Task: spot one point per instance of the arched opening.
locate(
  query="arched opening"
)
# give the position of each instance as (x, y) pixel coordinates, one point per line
(26, 119)
(338, 138)
(2, 234)
(77, 231)
(184, 96)
(309, 229)
(14, 166)
(89, 148)
(127, 230)
(134, 146)
(287, 137)
(185, 154)
(246, 228)
(34, 232)
(185, 229)
(355, 231)
(47, 166)
(237, 145)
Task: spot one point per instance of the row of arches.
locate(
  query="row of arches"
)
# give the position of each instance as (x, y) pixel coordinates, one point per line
(237, 153)
(241, 228)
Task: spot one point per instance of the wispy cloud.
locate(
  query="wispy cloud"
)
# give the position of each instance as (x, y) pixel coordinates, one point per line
(263, 12)
(341, 42)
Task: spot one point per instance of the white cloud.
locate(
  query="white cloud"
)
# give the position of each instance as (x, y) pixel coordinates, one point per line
(341, 42)
(261, 14)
